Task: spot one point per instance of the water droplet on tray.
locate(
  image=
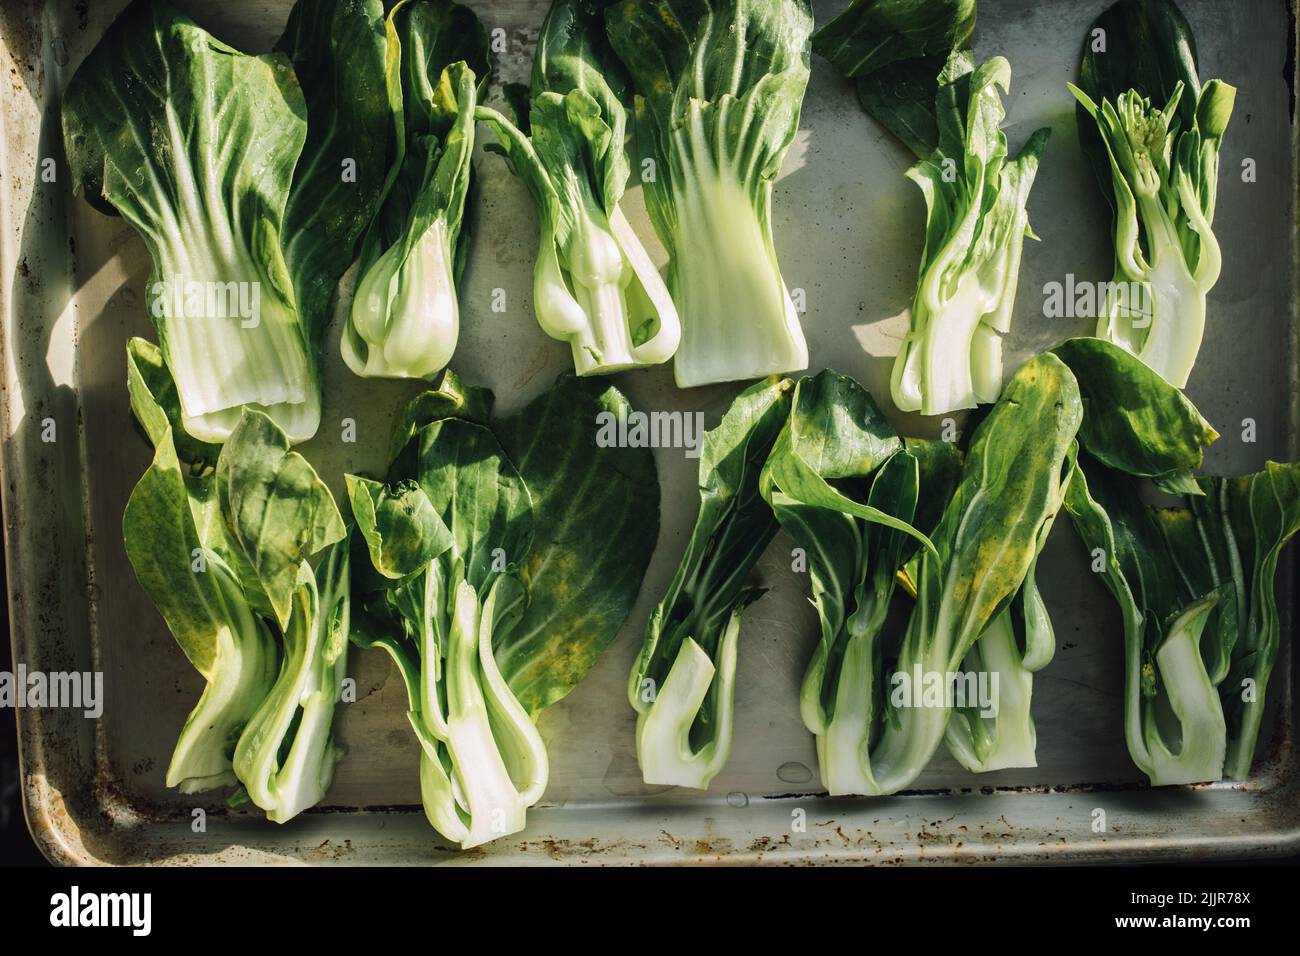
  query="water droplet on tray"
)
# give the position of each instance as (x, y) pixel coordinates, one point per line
(792, 771)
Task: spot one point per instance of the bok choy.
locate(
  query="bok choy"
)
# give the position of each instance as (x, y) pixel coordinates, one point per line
(200, 148)
(1153, 134)
(1194, 582)
(913, 73)
(976, 224)
(719, 86)
(502, 557)
(404, 319)
(594, 284)
(682, 685)
(842, 486)
(222, 551)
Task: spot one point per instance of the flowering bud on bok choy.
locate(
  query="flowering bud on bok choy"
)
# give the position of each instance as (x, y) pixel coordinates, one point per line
(719, 90)
(404, 318)
(1153, 135)
(594, 285)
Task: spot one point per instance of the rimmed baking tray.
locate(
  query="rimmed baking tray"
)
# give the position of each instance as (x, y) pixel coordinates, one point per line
(848, 232)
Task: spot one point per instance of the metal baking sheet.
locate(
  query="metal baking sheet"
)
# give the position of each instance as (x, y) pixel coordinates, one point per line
(848, 232)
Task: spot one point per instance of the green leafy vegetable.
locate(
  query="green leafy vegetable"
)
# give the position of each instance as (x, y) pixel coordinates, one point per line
(223, 555)
(719, 88)
(976, 223)
(914, 73)
(985, 545)
(510, 554)
(206, 612)
(1194, 583)
(594, 284)
(404, 318)
(682, 685)
(1153, 134)
(201, 149)
(894, 50)
(842, 486)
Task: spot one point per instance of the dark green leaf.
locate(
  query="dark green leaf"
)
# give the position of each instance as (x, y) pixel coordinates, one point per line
(337, 48)
(1134, 420)
(596, 522)
(873, 34)
(450, 398)
(480, 497)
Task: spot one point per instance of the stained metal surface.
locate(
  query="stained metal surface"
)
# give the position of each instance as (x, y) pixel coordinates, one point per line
(848, 232)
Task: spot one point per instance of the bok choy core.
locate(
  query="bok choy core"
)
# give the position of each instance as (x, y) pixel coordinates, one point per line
(719, 85)
(1194, 583)
(223, 554)
(856, 503)
(594, 284)
(1153, 134)
(682, 685)
(503, 555)
(404, 318)
(200, 148)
